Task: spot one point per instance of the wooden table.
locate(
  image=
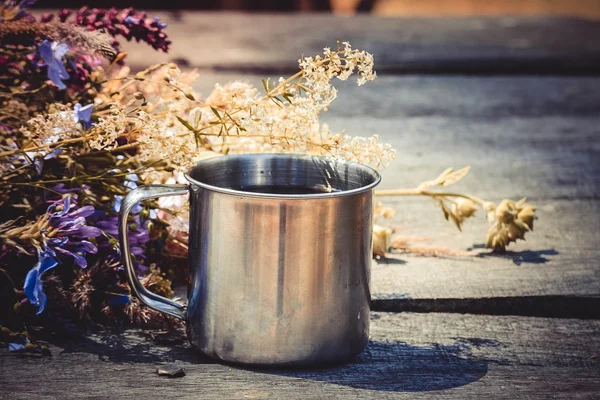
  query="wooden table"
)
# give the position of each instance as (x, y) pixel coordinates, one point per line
(516, 98)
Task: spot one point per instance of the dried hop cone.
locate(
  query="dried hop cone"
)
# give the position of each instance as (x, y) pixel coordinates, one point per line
(463, 208)
(512, 220)
(382, 240)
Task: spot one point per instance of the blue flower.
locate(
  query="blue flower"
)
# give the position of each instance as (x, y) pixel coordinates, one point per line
(67, 231)
(160, 25)
(33, 286)
(117, 299)
(15, 347)
(130, 182)
(84, 114)
(52, 54)
(131, 20)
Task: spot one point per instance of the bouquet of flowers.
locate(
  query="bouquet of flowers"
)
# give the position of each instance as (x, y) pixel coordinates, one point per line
(78, 130)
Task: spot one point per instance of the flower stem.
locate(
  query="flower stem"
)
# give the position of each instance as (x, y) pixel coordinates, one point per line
(418, 192)
(34, 148)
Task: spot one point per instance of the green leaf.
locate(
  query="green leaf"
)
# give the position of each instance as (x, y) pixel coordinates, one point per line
(190, 96)
(265, 85)
(238, 126)
(214, 110)
(287, 96)
(185, 123)
(277, 101)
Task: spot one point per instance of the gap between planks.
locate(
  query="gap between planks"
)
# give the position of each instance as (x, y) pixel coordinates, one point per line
(586, 307)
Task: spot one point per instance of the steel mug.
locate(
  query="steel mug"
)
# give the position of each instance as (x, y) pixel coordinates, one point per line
(277, 276)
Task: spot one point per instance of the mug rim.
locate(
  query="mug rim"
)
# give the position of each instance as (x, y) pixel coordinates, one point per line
(235, 192)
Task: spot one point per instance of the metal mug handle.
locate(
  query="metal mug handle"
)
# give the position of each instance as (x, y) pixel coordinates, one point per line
(150, 299)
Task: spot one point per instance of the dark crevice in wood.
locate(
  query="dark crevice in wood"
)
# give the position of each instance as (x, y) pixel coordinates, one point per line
(530, 306)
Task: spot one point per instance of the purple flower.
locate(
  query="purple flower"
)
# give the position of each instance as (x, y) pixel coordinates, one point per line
(75, 249)
(127, 23)
(84, 114)
(33, 286)
(52, 53)
(69, 230)
(39, 157)
(66, 236)
(138, 236)
(72, 224)
(62, 189)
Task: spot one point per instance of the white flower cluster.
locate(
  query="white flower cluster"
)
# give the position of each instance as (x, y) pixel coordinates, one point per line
(286, 119)
(340, 64)
(110, 126)
(45, 129)
(367, 151)
(171, 123)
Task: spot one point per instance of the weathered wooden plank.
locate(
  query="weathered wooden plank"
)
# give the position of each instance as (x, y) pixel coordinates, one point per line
(524, 136)
(409, 356)
(260, 42)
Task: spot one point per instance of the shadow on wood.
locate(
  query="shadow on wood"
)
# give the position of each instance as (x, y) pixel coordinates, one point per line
(135, 346)
(390, 261)
(400, 367)
(523, 257)
(382, 366)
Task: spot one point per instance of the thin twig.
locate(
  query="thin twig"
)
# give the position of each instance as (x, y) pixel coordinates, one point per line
(418, 192)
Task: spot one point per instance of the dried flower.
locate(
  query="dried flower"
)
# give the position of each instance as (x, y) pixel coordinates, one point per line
(15, 9)
(45, 129)
(83, 40)
(236, 118)
(509, 226)
(526, 214)
(156, 282)
(510, 220)
(490, 209)
(382, 240)
(81, 292)
(381, 211)
(462, 209)
(110, 126)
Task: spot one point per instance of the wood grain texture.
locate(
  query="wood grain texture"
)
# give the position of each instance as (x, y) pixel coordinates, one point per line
(263, 42)
(409, 356)
(524, 136)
